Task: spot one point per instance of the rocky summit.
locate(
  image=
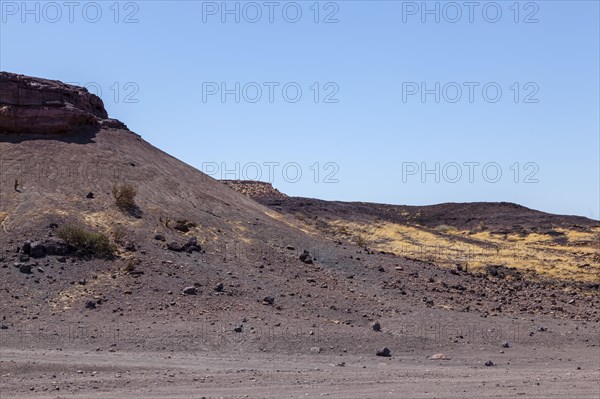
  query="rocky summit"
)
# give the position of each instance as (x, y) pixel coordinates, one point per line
(33, 105)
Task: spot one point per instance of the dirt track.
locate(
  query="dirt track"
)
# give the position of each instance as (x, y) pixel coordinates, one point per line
(81, 374)
(187, 359)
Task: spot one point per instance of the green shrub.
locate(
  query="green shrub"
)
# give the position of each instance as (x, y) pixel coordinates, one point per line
(125, 196)
(93, 243)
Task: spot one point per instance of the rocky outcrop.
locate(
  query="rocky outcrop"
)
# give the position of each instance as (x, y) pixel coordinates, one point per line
(33, 105)
(255, 189)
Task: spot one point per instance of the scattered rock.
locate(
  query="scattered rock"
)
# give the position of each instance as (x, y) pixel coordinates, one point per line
(269, 300)
(189, 248)
(489, 363)
(182, 226)
(291, 248)
(90, 305)
(542, 329)
(90, 195)
(190, 290)
(37, 250)
(160, 237)
(219, 287)
(316, 349)
(58, 248)
(506, 345)
(239, 329)
(439, 356)
(306, 257)
(25, 269)
(26, 247)
(192, 245)
(129, 246)
(385, 352)
(174, 246)
(376, 326)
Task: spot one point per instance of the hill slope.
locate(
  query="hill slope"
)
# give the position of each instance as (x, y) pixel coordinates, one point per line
(201, 270)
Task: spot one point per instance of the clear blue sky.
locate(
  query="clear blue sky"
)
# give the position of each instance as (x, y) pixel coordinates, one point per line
(370, 130)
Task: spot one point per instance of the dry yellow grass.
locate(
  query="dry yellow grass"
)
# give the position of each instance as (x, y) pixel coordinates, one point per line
(77, 294)
(106, 220)
(575, 256)
(295, 223)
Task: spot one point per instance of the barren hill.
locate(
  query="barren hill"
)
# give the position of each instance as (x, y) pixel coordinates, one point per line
(481, 236)
(200, 270)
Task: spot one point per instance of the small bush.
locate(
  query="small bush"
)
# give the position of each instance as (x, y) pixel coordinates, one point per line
(118, 234)
(130, 267)
(125, 196)
(93, 243)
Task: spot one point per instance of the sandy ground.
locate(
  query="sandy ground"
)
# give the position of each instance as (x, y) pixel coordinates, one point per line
(77, 374)
(86, 372)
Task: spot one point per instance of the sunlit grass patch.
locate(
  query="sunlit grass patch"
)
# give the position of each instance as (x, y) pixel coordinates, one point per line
(562, 254)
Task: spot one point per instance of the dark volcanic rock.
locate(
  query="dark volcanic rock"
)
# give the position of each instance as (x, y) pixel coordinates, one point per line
(58, 248)
(192, 245)
(174, 246)
(25, 269)
(376, 326)
(26, 247)
(306, 257)
(385, 352)
(34, 105)
(269, 300)
(38, 250)
(190, 290)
